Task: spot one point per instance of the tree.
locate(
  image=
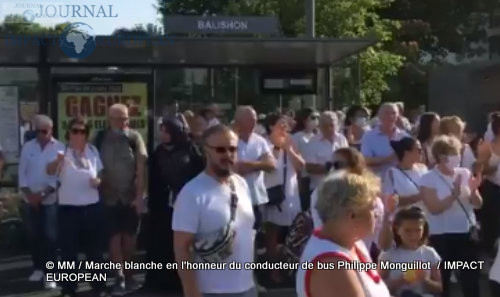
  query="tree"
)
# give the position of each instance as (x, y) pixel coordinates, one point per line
(16, 24)
(335, 19)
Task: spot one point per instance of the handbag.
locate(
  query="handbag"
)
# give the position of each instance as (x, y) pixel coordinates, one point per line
(217, 246)
(277, 194)
(474, 228)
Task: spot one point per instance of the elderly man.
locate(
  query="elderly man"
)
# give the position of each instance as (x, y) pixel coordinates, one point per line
(123, 154)
(254, 158)
(40, 201)
(319, 151)
(375, 144)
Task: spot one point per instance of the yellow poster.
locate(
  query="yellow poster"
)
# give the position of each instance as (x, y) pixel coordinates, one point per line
(92, 100)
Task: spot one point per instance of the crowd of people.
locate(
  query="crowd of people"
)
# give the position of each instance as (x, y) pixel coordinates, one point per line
(375, 187)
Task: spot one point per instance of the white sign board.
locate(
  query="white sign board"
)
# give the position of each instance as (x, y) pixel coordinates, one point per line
(9, 122)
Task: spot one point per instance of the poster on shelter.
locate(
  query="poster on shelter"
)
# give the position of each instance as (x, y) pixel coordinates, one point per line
(92, 100)
(9, 121)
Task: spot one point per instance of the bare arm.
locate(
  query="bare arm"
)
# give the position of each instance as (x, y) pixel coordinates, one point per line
(265, 163)
(476, 200)
(182, 244)
(433, 204)
(409, 200)
(297, 160)
(392, 284)
(385, 238)
(376, 161)
(313, 168)
(140, 176)
(344, 282)
(434, 284)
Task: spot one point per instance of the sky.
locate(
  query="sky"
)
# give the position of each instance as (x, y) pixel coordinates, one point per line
(126, 13)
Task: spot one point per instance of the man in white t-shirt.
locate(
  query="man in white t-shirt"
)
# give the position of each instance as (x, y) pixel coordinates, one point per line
(205, 205)
(254, 158)
(319, 151)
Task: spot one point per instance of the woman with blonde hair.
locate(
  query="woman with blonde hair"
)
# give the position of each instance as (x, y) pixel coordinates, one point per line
(450, 195)
(346, 203)
(454, 126)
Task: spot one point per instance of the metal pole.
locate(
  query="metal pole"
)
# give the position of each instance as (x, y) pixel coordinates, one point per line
(310, 18)
(236, 85)
(359, 78)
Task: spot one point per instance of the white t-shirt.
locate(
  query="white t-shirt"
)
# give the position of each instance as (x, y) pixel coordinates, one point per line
(468, 158)
(404, 184)
(301, 140)
(203, 207)
(75, 186)
(251, 151)
(453, 219)
(424, 254)
(320, 151)
(291, 206)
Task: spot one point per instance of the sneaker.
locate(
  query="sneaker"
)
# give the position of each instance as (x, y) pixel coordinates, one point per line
(119, 287)
(50, 285)
(131, 284)
(36, 276)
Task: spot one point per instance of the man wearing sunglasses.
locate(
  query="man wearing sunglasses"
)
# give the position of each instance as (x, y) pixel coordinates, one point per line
(214, 199)
(39, 197)
(254, 158)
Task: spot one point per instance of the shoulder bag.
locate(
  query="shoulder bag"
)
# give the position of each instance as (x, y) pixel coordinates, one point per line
(474, 228)
(277, 193)
(217, 246)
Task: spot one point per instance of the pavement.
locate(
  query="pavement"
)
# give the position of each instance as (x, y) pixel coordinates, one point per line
(15, 270)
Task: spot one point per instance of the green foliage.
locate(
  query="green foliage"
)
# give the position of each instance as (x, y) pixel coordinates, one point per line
(15, 24)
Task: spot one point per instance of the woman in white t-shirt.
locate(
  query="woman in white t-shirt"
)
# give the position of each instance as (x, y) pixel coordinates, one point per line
(288, 163)
(450, 195)
(454, 126)
(79, 214)
(410, 234)
(306, 126)
(403, 179)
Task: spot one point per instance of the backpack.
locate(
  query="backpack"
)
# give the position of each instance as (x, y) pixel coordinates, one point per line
(99, 138)
(296, 239)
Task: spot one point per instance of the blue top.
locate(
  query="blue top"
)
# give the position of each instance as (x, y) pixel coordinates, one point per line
(377, 144)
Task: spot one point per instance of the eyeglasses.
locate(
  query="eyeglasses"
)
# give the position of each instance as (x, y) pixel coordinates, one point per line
(314, 117)
(78, 131)
(121, 119)
(223, 149)
(41, 131)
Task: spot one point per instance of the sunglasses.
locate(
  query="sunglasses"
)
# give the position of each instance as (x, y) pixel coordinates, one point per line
(337, 165)
(45, 132)
(223, 149)
(314, 117)
(78, 131)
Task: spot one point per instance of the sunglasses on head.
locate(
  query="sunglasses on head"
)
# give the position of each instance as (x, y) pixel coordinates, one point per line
(78, 131)
(223, 149)
(41, 131)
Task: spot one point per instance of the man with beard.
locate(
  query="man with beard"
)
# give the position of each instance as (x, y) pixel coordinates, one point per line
(213, 222)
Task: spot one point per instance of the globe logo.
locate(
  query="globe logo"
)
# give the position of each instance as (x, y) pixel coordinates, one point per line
(28, 16)
(77, 40)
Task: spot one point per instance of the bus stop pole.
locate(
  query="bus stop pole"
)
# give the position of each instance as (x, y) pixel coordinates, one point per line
(310, 18)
